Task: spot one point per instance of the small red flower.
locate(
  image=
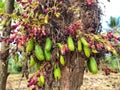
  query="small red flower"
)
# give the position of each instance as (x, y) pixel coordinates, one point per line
(89, 2)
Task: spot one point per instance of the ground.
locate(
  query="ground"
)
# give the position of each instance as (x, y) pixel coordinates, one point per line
(101, 82)
(91, 82)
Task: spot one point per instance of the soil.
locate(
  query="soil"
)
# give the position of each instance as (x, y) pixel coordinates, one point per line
(90, 82)
(101, 82)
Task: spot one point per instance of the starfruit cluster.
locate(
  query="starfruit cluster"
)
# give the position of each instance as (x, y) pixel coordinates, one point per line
(42, 33)
(42, 55)
(89, 44)
(39, 52)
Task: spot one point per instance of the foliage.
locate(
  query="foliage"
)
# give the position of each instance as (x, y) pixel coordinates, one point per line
(47, 31)
(112, 62)
(114, 32)
(114, 22)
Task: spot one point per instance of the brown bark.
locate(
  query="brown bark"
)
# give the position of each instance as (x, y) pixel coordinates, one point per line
(3, 74)
(4, 48)
(72, 73)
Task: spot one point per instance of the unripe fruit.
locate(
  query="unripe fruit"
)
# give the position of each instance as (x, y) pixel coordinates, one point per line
(94, 51)
(32, 61)
(29, 45)
(62, 61)
(92, 65)
(39, 52)
(108, 48)
(79, 46)
(59, 45)
(96, 37)
(84, 42)
(48, 44)
(46, 19)
(41, 80)
(87, 51)
(114, 52)
(57, 14)
(57, 73)
(3, 23)
(70, 43)
(47, 55)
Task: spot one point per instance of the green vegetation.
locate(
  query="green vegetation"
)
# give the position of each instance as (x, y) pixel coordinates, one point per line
(112, 62)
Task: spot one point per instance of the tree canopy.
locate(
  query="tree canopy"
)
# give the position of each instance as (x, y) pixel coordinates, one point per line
(46, 31)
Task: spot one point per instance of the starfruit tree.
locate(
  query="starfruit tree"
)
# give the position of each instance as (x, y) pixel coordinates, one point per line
(59, 36)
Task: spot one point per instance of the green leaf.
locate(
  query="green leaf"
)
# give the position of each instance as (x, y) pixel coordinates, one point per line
(113, 22)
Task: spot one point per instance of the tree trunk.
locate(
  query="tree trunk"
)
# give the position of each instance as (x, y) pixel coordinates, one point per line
(4, 52)
(3, 74)
(72, 73)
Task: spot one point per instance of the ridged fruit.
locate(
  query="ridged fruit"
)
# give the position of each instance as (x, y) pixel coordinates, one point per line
(41, 80)
(92, 65)
(48, 44)
(32, 61)
(58, 14)
(29, 45)
(70, 43)
(3, 23)
(108, 48)
(47, 55)
(79, 46)
(87, 51)
(57, 73)
(84, 42)
(62, 60)
(94, 51)
(46, 19)
(114, 52)
(59, 45)
(39, 52)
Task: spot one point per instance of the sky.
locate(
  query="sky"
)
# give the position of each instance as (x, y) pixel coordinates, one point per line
(111, 8)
